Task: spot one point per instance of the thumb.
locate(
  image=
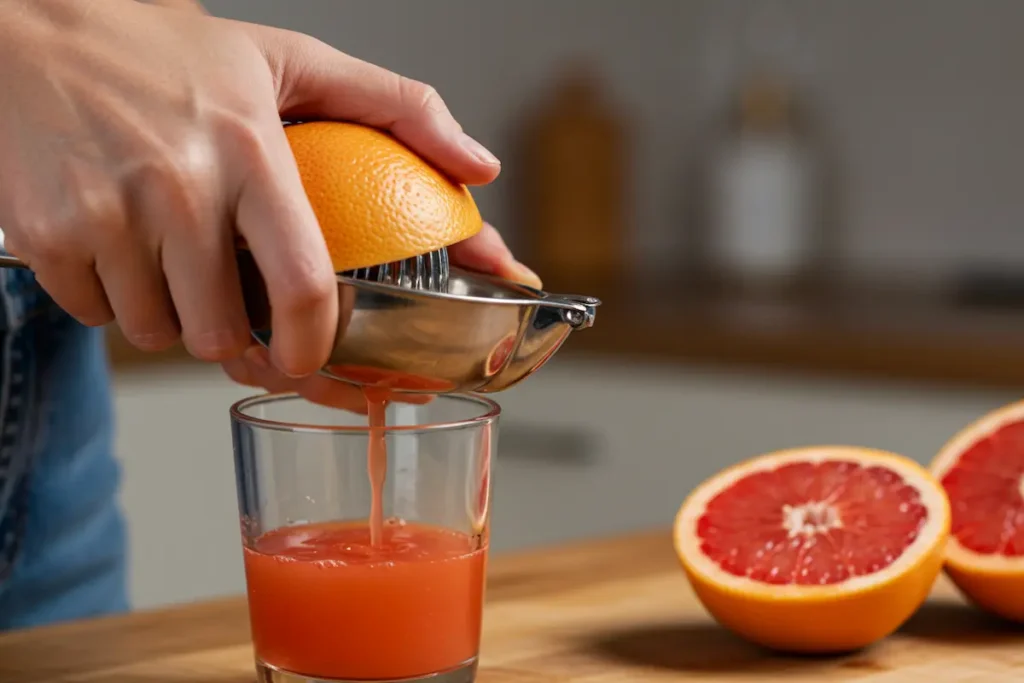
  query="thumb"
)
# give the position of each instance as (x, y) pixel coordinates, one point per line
(315, 81)
(487, 253)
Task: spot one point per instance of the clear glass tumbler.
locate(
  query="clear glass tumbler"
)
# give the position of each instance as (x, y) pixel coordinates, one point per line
(326, 602)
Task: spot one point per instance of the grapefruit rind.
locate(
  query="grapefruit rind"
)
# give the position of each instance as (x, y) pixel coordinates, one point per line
(817, 619)
(994, 583)
(376, 200)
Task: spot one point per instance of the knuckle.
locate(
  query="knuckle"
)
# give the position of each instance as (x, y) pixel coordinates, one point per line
(81, 298)
(94, 317)
(176, 179)
(34, 237)
(307, 47)
(91, 311)
(40, 243)
(180, 183)
(238, 372)
(245, 137)
(97, 204)
(420, 97)
(306, 292)
(216, 346)
(99, 207)
(151, 341)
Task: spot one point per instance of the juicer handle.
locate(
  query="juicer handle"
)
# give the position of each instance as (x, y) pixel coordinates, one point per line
(576, 310)
(7, 260)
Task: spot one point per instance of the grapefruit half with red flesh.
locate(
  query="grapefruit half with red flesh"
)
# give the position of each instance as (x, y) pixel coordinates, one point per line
(817, 550)
(982, 471)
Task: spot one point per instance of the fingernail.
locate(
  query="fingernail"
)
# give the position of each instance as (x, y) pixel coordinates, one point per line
(257, 355)
(479, 152)
(525, 276)
(275, 361)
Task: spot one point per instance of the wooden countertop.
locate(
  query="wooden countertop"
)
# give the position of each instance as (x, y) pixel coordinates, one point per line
(596, 612)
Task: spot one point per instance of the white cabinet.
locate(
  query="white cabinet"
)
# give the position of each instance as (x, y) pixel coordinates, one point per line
(174, 441)
(585, 448)
(647, 435)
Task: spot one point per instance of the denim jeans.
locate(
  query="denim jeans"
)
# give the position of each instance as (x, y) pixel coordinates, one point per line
(62, 534)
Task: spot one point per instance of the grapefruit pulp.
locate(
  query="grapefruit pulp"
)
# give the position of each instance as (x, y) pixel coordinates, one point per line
(982, 471)
(817, 550)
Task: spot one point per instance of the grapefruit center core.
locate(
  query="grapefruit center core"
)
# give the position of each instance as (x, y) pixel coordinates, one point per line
(811, 523)
(810, 518)
(986, 493)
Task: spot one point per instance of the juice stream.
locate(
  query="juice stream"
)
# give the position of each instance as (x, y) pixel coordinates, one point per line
(376, 460)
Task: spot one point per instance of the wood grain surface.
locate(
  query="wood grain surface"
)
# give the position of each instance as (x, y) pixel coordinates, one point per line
(597, 612)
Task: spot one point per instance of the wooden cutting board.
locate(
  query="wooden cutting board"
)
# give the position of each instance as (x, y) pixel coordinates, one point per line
(599, 612)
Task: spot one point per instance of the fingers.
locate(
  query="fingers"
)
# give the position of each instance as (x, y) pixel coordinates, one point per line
(203, 283)
(276, 220)
(76, 288)
(253, 368)
(239, 372)
(64, 270)
(487, 253)
(137, 292)
(181, 270)
(316, 81)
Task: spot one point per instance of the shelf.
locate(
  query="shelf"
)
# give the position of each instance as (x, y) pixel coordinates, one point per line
(865, 335)
(878, 334)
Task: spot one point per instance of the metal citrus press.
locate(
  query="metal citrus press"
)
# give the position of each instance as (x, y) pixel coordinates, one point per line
(420, 325)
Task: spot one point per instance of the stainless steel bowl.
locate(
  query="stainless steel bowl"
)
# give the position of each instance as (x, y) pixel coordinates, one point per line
(482, 334)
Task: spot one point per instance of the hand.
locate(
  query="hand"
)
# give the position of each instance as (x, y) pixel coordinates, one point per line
(485, 253)
(138, 139)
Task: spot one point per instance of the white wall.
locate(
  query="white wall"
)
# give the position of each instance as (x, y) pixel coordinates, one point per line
(924, 99)
(585, 448)
(488, 60)
(174, 443)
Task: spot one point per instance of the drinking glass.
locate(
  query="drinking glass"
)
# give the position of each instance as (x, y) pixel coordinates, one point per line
(327, 603)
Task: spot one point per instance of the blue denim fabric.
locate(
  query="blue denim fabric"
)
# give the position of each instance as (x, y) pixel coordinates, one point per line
(62, 534)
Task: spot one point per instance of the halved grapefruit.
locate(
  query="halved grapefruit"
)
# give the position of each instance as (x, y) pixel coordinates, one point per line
(820, 549)
(982, 471)
(376, 200)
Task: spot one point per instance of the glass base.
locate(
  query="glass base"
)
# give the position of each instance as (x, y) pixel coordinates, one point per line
(463, 673)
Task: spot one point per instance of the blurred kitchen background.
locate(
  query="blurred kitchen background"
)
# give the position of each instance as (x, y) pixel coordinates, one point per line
(805, 218)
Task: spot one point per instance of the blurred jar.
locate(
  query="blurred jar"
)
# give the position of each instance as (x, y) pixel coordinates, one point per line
(764, 193)
(573, 183)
